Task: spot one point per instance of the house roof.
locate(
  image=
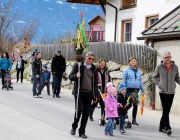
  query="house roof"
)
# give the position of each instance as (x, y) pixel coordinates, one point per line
(84, 1)
(165, 27)
(96, 17)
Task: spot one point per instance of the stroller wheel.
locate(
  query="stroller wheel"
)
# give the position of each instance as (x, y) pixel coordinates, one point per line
(114, 126)
(125, 124)
(129, 124)
(12, 88)
(99, 122)
(102, 122)
(2, 87)
(7, 88)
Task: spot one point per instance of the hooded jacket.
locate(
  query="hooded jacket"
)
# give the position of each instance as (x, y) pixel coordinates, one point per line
(58, 65)
(5, 63)
(123, 100)
(165, 79)
(37, 66)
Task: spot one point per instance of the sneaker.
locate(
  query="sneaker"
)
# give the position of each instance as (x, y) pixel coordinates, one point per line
(111, 135)
(35, 96)
(58, 97)
(106, 133)
(73, 132)
(53, 95)
(122, 131)
(169, 132)
(83, 136)
(91, 119)
(134, 122)
(163, 130)
(39, 96)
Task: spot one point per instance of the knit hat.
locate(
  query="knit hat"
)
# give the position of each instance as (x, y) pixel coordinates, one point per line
(122, 87)
(58, 51)
(110, 88)
(45, 66)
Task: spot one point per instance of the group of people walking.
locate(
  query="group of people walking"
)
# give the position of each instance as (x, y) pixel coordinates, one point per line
(88, 79)
(41, 75)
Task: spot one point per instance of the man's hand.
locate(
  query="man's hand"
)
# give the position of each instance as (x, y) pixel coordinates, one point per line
(78, 75)
(37, 76)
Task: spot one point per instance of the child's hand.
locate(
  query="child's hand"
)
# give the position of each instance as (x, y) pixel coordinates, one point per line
(120, 105)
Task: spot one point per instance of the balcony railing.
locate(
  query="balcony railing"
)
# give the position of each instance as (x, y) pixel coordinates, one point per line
(127, 3)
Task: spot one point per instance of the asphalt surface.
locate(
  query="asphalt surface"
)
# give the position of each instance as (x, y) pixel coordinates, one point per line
(23, 117)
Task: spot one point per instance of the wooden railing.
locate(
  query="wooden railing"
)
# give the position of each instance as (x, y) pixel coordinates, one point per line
(127, 3)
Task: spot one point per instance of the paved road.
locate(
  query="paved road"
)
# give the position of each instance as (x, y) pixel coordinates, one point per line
(25, 118)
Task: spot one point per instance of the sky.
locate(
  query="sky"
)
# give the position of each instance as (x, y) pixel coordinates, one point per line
(55, 16)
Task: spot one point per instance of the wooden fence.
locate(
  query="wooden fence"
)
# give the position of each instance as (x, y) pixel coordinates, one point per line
(111, 51)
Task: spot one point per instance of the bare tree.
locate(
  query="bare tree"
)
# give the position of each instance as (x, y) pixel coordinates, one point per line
(10, 32)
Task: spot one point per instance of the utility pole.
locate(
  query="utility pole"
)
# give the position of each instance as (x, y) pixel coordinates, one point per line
(1, 33)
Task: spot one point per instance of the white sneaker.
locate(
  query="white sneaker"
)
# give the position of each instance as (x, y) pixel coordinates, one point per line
(35, 96)
(39, 96)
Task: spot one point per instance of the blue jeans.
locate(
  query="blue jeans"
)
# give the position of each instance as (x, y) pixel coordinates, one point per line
(109, 125)
(57, 84)
(35, 81)
(121, 124)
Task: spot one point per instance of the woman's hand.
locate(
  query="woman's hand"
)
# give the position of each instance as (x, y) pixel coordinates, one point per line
(99, 84)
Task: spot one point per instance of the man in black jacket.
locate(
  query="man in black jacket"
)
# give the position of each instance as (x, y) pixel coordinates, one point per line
(37, 75)
(87, 92)
(58, 67)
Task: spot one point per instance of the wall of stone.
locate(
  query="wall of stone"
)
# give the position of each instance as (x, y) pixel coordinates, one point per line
(115, 71)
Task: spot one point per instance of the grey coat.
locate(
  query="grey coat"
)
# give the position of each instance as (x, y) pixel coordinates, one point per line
(165, 79)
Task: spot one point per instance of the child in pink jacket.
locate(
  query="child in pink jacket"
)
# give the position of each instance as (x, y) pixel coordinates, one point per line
(111, 106)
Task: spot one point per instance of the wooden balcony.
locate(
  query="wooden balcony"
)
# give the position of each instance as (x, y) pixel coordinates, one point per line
(128, 3)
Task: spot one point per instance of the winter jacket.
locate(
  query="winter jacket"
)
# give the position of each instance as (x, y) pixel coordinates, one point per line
(46, 75)
(74, 78)
(165, 79)
(5, 63)
(22, 64)
(123, 100)
(132, 79)
(111, 106)
(37, 66)
(102, 78)
(58, 65)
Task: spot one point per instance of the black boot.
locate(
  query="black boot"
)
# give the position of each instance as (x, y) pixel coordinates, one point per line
(53, 95)
(91, 113)
(134, 122)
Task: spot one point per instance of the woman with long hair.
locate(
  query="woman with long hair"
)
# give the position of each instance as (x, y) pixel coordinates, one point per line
(103, 78)
(131, 79)
(5, 64)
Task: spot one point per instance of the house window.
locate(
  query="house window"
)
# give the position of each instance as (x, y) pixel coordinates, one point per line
(126, 30)
(127, 3)
(151, 19)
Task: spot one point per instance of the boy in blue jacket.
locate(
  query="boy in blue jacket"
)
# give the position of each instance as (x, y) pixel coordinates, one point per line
(46, 78)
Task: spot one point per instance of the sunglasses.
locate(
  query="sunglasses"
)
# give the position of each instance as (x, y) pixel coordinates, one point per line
(91, 59)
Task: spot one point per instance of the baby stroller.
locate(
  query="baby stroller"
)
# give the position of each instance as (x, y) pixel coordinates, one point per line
(101, 122)
(7, 81)
(127, 123)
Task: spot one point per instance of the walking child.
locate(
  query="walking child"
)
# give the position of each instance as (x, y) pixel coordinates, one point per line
(46, 78)
(111, 106)
(123, 99)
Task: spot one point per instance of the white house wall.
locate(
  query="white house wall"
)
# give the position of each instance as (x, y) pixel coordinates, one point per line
(144, 7)
(174, 48)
